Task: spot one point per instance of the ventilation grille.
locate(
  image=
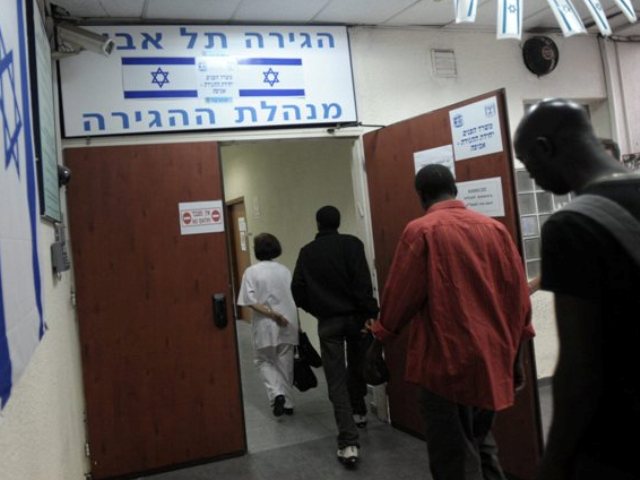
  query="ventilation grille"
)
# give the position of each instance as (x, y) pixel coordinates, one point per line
(444, 63)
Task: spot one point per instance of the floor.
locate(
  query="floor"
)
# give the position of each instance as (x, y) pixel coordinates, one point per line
(303, 446)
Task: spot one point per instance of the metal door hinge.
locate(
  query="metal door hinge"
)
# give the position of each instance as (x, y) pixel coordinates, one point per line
(87, 449)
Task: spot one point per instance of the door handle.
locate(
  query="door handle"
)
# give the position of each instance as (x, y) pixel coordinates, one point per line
(219, 310)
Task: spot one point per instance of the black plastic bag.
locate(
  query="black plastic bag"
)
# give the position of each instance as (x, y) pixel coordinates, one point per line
(307, 352)
(375, 371)
(303, 376)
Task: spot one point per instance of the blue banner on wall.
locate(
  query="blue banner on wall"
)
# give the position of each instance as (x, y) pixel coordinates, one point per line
(21, 319)
(171, 78)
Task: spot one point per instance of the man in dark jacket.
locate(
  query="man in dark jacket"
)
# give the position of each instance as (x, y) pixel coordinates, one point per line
(332, 282)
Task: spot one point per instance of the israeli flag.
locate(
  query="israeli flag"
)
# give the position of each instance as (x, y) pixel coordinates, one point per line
(599, 17)
(159, 77)
(21, 319)
(567, 17)
(466, 10)
(509, 21)
(270, 77)
(627, 9)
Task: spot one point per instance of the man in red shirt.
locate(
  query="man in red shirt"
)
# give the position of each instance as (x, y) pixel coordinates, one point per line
(457, 280)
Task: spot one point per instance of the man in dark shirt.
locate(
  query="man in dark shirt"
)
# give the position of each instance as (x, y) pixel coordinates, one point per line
(332, 282)
(596, 388)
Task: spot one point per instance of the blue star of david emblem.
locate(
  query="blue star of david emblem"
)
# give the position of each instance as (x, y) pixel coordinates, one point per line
(513, 9)
(566, 8)
(160, 77)
(270, 77)
(9, 111)
(458, 121)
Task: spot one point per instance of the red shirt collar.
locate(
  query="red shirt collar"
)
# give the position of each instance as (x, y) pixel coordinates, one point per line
(445, 204)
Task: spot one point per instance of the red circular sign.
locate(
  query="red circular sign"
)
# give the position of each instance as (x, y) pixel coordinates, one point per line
(215, 216)
(186, 218)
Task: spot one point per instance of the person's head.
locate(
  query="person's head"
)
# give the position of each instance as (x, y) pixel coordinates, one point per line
(435, 183)
(556, 143)
(611, 147)
(266, 246)
(328, 218)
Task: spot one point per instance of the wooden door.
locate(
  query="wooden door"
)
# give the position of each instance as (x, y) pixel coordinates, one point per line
(391, 172)
(161, 379)
(240, 256)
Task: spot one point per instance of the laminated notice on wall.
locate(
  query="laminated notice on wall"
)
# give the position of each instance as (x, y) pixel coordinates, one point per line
(201, 217)
(483, 196)
(475, 129)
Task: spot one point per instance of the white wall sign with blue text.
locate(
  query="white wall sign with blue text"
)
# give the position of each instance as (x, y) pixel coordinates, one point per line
(172, 78)
(21, 318)
(475, 129)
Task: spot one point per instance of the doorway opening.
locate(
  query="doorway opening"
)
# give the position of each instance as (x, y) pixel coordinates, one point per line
(277, 187)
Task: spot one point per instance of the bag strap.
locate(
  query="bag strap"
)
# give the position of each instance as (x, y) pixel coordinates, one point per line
(613, 217)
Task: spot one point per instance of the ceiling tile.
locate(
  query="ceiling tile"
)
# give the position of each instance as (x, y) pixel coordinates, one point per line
(278, 11)
(426, 12)
(367, 12)
(82, 8)
(200, 10)
(124, 8)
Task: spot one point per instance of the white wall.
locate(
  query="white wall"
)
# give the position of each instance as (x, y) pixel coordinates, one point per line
(42, 429)
(289, 181)
(628, 61)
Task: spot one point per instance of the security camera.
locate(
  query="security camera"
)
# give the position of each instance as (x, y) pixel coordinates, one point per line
(64, 175)
(77, 39)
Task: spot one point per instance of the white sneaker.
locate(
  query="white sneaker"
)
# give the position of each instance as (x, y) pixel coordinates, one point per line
(348, 455)
(360, 420)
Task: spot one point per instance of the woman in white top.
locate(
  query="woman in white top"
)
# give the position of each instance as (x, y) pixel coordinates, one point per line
(266, 289)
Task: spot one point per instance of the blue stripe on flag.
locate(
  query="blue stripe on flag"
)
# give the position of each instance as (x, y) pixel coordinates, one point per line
(504, 16)
(5, 360)
(628, 8)
(518, 12)
(600, 19)
(158, 61)
(270, 61)
(562, 16)
(292, 92)
(30, 163)
(470, 8)
(161, 94)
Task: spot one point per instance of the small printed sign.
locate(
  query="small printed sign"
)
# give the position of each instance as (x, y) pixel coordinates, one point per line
(483, 196)
(201, 217)
(439, 155)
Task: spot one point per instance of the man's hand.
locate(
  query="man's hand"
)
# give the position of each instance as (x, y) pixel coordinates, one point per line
(366, 328)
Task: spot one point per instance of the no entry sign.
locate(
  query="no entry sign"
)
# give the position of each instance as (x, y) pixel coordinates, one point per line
(201, 217)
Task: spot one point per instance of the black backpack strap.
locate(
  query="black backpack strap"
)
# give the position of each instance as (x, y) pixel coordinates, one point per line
(613, 217)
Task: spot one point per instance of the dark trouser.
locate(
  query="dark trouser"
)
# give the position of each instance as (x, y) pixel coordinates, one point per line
(459, 440)
(347, 388)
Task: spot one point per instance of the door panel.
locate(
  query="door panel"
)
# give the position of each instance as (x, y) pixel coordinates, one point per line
(391, 172)
(161, 380)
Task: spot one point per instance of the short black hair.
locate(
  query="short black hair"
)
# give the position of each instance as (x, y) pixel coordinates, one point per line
(434, 180)
(266, 246)
(328, 217)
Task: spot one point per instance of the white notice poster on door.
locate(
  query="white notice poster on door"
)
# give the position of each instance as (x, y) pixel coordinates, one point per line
(475, 129)
(201, 217)
(483, 196)
(439, 156)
